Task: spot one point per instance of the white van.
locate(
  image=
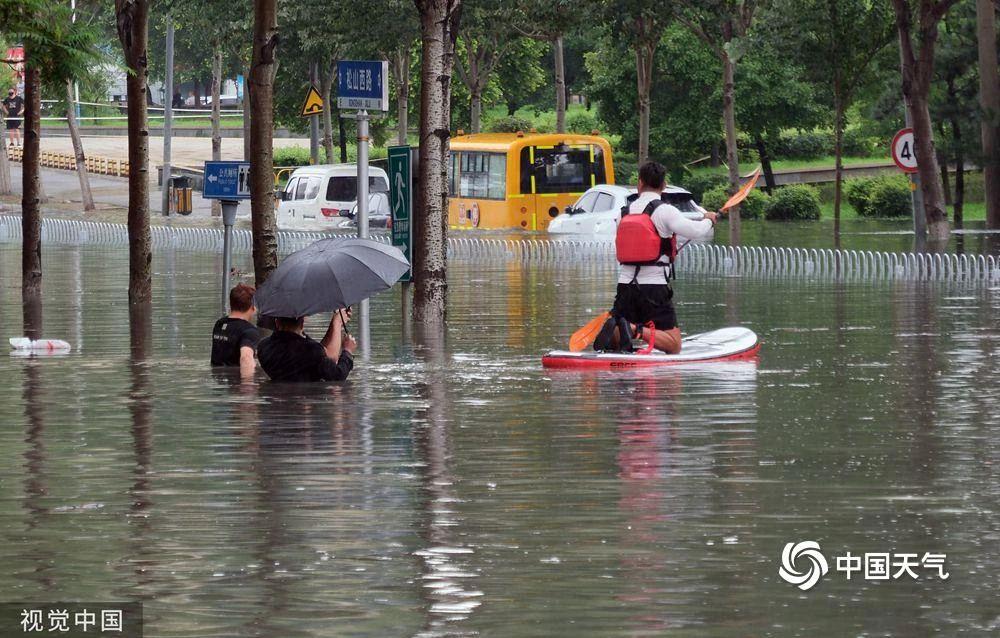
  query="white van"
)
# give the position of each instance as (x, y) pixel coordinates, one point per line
(326, 196)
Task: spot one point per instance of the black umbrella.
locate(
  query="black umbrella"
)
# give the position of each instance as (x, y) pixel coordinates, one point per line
(329, 274)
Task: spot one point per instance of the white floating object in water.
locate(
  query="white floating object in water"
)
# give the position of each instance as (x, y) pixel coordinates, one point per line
(24, 344)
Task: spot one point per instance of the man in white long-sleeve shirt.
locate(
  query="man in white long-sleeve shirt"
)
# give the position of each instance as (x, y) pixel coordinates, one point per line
(644, 294)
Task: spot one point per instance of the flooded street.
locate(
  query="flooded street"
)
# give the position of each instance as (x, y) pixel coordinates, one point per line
(454, 487)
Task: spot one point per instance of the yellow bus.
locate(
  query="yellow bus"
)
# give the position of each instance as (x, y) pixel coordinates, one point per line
(522, 181)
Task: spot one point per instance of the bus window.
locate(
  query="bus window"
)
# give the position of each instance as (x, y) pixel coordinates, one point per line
(561, 169)
(482, 175)
(451, 172)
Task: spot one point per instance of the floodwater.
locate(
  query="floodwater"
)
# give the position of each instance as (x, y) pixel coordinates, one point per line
(454, 487)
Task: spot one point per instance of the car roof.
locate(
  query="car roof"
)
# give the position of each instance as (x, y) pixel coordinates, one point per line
(628, 190)
(337, 170)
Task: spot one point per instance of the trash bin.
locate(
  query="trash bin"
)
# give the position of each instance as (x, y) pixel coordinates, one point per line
(182, 194)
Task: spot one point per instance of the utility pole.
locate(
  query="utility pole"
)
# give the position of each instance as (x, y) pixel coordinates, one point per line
(916, 195)
(168, 116)
(76, 85)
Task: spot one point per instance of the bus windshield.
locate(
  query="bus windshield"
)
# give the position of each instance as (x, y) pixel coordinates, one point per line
(561, 169)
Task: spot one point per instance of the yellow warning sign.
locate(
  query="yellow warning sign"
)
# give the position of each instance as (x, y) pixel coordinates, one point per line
(313, 104)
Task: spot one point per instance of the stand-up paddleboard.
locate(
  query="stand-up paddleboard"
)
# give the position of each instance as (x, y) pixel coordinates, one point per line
(24, 345)
(725, 344)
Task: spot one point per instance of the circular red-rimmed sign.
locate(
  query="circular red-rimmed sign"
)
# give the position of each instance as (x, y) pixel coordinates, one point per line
(903, 151)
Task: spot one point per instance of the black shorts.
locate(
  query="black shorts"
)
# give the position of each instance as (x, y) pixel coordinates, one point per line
(13, 124)
(640, 303)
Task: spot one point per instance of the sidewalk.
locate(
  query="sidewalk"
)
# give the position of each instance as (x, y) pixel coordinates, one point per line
(62, 191)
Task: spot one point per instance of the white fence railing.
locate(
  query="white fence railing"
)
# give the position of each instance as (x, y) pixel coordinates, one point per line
(747, 261)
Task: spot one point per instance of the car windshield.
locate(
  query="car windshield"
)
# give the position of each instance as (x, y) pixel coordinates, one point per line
(683, 202)
(345, 189)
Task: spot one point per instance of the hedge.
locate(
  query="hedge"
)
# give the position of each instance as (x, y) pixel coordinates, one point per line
(883, 196)
(797, 202)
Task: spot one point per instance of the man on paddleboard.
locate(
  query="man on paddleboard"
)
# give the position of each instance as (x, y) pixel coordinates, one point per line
(646, 245)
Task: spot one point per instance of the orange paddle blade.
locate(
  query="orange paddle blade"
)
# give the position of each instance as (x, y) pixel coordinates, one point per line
(586, 335)
(743, 192)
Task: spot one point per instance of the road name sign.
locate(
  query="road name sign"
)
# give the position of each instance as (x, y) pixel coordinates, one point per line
(363, 85)
(903, 152)
(227, 180)
(401, 202)
(313, 104)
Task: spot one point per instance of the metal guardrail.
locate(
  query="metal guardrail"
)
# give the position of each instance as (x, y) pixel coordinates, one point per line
(740, 261)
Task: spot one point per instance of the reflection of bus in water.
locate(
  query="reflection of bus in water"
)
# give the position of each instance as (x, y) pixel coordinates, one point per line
(517, 180)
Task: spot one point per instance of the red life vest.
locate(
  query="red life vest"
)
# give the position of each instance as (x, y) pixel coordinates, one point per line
(638, 243)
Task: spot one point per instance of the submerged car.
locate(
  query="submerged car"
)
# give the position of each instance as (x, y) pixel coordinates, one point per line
(326, 197)
(598, 210)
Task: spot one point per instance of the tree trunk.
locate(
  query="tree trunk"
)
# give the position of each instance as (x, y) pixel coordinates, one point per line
(715, 155)
(959, 201)
(216, 116)
(197, 94)
(6, 182)
(246, 117)
(438, 30)
(401, 71)
(765, 163)
(132, 22)
(560, 73)
(732, 157)
(326, 78)
(917, 71)
(81, 159)
(644, 79)
(261, 81)
(989, 95)
(476, 109)
(838, 160)
(31, 214)
(342, 142)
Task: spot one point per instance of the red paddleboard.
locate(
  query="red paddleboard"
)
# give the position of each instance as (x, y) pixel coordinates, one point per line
(725, 344)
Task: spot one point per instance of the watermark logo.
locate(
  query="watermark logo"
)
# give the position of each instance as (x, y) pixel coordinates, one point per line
(807, 554)
(803, 565)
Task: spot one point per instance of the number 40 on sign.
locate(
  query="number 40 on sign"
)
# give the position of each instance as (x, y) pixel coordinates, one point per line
(903, 152)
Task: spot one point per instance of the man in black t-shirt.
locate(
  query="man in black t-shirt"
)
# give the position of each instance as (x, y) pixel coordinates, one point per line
(290, 355)
(235, 337)
(13, 104)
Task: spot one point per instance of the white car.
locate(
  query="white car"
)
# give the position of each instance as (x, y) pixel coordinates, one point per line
(598, 210)
(326, 196)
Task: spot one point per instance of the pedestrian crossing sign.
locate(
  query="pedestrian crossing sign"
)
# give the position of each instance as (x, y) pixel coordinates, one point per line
(313, 104)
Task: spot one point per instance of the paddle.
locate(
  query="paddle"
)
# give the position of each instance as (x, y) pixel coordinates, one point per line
(586, 335)
(742, 193)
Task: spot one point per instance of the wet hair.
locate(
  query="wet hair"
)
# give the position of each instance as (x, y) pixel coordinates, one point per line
(241, 298)
(289, 323)
(653, 174)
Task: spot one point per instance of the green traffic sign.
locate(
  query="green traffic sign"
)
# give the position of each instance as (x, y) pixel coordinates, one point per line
(401, 202)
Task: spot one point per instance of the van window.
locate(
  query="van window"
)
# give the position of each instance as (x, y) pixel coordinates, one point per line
(312, 187)
(344, 188)
(684, 202)
(481, 175)
(290, 188)
(561, 169)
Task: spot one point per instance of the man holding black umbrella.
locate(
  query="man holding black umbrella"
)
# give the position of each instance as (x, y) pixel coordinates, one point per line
(291, 355)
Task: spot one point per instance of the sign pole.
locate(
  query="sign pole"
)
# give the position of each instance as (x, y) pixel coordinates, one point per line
(228, 219)
(314, 121)
(362, 120)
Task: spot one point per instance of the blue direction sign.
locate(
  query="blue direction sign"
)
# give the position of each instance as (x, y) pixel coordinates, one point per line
(401, 202)
(227, 180)
(363, 85)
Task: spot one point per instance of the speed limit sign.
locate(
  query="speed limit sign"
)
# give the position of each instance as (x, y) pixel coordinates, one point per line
(903, 152)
